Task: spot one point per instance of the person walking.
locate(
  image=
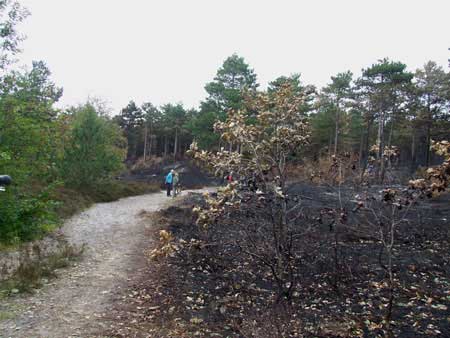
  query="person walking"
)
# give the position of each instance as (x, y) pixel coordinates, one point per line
(229, 178)
(169, 182)
(175, 182)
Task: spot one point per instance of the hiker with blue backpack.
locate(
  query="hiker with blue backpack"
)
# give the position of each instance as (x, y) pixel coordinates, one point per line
(169, 182)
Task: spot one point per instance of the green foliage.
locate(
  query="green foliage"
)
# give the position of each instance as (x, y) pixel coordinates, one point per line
(28, 146)
(382, 84)
(322, 124)
(174, 119)
(228, 86)
(95, 150)
(152, 115)
(174, 115)
(202, 127)
(352, 131)
(27, 124)
(332, 115)
(430, 106)
(24, 217)
(131, 120)
(227, 92)
(11, 14)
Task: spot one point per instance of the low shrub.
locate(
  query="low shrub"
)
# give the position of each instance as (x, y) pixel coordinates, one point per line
(24, 217)
(31, 274)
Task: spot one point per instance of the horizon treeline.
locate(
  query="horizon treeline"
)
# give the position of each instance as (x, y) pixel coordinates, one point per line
(384, 107)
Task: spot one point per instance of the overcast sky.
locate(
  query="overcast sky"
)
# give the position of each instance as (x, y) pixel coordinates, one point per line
(167, 50)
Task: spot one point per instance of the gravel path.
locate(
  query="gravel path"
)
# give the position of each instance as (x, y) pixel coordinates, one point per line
(75, 304)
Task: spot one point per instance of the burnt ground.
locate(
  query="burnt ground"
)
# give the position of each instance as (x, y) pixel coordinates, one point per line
(209, 288)
(191, 176)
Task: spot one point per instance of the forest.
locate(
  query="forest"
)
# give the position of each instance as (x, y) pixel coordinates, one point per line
(336, 222)
(386, 103)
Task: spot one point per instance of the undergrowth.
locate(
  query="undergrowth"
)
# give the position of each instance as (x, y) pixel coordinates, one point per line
(33, 274)
(72, 201)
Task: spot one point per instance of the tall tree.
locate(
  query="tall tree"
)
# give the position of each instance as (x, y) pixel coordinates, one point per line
(152, 116)
(322, 125)
(131, 119)
(201, 127)
(226, 92)
(175, 116)
(27, 131)
(338, 93)
(432, 93)
(95, 151)
(381, 86)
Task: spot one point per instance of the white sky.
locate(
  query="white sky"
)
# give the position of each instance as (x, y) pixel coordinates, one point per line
(167, 50)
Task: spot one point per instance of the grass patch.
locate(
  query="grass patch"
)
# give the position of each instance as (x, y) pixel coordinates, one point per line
(32, 274)
(72, 201)
(5, 315)
(113, 190)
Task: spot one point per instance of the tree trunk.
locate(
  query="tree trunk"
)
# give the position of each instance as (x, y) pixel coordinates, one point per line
(165, 145)
(428, 144)
(150, 147)
(361, 147)
(145, 142)
(336, 130)
(330, 142)
(413, 150)
(175, 143)
(381, 148)
(366, 146)
(391, 132)
(429, 122)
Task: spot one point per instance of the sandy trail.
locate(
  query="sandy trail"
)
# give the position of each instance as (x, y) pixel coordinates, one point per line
(73, 305)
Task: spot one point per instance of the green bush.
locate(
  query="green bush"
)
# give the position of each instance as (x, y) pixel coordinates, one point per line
(95, 150)
(23, 218)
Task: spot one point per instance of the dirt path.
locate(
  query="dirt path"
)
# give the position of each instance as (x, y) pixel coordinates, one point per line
(75, 304)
